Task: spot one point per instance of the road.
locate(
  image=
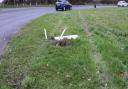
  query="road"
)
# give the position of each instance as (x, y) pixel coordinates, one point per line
(14, 19)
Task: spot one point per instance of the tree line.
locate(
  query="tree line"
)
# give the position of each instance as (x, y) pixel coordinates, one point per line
(43, 2)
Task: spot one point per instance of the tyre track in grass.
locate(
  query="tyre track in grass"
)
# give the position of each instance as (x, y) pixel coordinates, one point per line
(78, 26)
(101, 66)
(114, 38)
(123, 74)
(97, 57)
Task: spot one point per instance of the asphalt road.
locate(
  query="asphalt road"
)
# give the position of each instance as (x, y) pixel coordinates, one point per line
(13, 19)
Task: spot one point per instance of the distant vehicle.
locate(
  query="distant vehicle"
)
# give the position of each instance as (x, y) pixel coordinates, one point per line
(122, 4)
(63, 5)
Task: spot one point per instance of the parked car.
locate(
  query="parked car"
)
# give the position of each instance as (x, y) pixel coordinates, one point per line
(63, 5)
(122, 4)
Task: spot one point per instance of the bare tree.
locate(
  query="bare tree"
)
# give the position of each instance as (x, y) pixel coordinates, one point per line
(36, 2)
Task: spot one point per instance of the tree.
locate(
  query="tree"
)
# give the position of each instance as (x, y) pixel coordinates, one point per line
(34, 2)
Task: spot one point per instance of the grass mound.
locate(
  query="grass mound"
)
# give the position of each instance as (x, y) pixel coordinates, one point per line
(97, 60)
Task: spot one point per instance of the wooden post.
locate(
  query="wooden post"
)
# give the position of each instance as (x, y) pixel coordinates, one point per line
(45, 32)
(63, 33)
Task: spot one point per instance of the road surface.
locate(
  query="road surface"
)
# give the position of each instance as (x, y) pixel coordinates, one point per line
(13, 19)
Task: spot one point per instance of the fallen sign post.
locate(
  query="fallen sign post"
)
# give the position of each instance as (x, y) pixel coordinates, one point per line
(66, 37)
(62, 40)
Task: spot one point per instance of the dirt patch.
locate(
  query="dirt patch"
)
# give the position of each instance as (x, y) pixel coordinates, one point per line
(64, 42)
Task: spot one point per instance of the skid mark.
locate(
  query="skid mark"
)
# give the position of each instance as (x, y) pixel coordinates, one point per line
(102, 69)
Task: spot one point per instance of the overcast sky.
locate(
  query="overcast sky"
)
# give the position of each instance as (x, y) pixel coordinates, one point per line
(1, 0)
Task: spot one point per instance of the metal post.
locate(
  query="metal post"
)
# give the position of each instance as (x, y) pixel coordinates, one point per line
(94, 3)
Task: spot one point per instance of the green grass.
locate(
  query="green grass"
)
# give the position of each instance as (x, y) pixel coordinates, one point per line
(97, 60)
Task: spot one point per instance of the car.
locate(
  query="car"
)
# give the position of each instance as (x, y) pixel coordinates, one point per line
(122, 4)
(63, 5)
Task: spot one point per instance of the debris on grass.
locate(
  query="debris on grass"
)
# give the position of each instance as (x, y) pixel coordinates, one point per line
(47, 65)
(89, 79)
(67, 79)
(68, 76)
(106, 84)
(83, 77)
(97, 72)
(58, 72)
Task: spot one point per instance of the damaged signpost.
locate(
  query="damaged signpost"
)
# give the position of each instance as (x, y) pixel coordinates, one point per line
(62, 40)
(66, 37)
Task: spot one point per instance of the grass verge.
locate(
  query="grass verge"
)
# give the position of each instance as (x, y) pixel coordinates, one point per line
(97, 60)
